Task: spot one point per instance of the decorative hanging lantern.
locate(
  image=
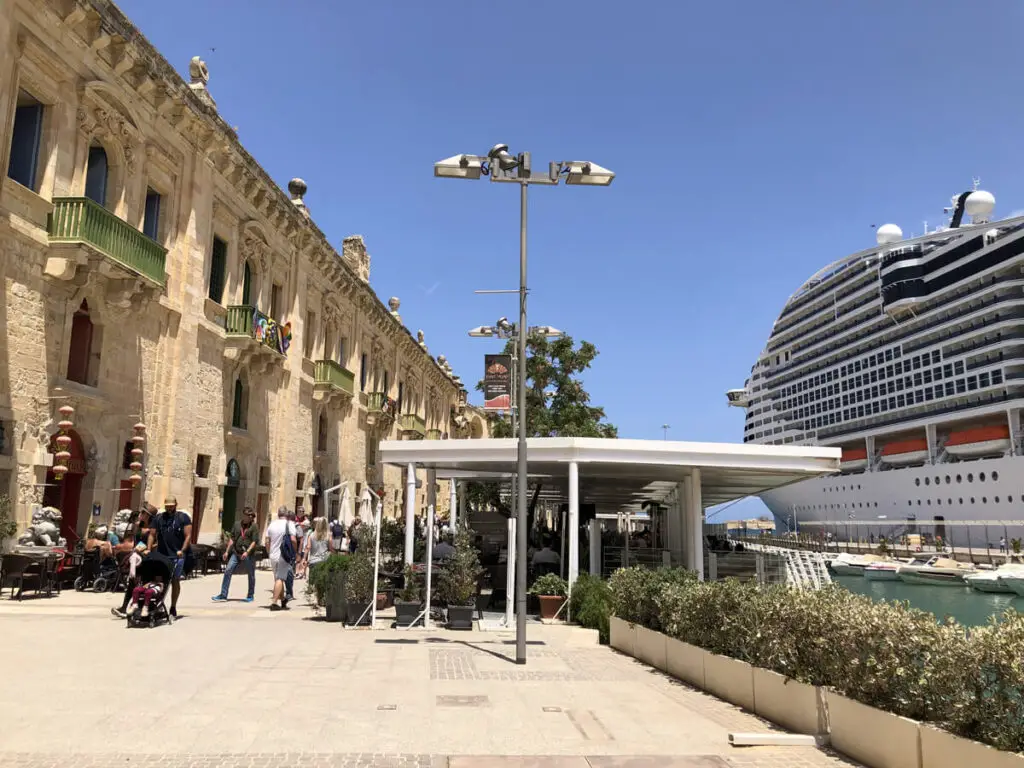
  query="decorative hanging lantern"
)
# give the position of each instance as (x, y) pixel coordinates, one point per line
(138, 440)
(63, 441)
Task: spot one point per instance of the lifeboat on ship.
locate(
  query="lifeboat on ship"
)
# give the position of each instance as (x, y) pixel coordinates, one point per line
(905, 452)
(853, 459)
(979, 441)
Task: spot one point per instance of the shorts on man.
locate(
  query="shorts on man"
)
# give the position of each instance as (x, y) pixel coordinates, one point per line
(282, 568)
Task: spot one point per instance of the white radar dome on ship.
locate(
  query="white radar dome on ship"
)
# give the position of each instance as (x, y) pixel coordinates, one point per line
(888, 233)
(980, 204)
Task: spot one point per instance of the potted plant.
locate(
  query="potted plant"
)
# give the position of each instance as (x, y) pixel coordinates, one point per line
(359, 588)
(410, 599)
(550, 590)
(458, 581)
(325, 586)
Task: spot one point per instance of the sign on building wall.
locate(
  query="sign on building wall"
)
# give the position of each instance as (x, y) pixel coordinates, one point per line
(497, 382)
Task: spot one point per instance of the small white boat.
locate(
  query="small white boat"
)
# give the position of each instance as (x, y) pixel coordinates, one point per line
(998, 580)
(937, 571)
(885, 571)
(853, 565)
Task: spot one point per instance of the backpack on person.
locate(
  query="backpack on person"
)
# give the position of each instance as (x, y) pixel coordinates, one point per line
(287, 548)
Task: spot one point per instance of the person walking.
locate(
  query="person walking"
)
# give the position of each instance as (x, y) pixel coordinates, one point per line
(170, 535)
(337, 534)
(353, 535)
(280, 543)
(318, 543)
(239, 551)
(1002, 545)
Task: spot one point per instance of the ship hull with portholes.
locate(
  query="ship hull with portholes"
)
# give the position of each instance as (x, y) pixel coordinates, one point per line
(967, 503)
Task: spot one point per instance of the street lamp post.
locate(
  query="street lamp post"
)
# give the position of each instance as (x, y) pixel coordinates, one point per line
(503, 329)
(501, 166)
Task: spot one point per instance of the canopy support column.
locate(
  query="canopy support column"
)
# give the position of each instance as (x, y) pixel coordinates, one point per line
(695, 522)
(574, 523)
(410, 511)
(595, 547)
(453, 505)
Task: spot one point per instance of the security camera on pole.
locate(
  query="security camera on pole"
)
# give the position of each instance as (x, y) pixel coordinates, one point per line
(501, 166)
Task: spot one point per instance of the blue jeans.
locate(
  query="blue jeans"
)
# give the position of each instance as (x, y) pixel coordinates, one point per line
(233, 563)
(289, 584)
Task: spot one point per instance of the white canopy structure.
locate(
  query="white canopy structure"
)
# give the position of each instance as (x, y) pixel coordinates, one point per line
(623, 475)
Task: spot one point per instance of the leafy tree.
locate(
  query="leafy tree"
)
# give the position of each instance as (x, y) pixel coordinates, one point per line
(557, 405)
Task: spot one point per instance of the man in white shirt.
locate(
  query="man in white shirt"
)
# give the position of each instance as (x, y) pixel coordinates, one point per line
(282, 568)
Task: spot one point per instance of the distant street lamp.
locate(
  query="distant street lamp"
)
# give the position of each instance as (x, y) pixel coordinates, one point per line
(665, 428)
(502, 166)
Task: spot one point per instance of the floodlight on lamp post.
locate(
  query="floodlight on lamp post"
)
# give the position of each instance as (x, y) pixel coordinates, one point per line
(502, 166)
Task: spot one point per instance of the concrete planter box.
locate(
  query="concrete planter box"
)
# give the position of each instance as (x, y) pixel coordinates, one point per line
(649, 647)
(797, 707)
(685, 662)
(622, 635)
(729, 679)
(873, 737)
(944, 750)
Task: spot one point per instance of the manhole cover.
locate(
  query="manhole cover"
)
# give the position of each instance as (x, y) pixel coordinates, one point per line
(462, 701)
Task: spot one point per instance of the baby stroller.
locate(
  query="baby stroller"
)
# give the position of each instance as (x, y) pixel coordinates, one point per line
(97, 575)
(146, 571)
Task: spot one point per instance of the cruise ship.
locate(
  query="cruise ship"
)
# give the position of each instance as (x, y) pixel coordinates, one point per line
(909, 356)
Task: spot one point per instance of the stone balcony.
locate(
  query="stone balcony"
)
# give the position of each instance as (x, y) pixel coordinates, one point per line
(86, 238)
(332, 382)
(380, 409)
(412, 426)
(433, 434)
(253, 339)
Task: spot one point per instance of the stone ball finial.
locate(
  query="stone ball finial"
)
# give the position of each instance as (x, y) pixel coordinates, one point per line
(394, 303)
(297, 188)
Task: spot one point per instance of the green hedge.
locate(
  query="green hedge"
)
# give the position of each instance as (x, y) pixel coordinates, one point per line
(884, 654)
(590, 604)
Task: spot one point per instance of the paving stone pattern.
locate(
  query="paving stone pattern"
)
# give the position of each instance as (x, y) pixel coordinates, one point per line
(236, 686)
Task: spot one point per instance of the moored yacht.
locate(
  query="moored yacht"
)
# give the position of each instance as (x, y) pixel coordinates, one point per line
(997, 580)
(937, 570)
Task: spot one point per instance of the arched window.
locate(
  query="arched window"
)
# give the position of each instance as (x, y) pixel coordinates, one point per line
(246, 283)
(84, 351)
(239, 415)
(96, 174)
(321, 433)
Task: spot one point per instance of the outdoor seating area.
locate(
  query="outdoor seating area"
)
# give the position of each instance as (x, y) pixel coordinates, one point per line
(37, 574)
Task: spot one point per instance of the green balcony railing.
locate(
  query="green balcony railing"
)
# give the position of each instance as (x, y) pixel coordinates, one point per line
(433, 434)
(80, 220)
(378, 402)
(246, 320)
(410, 422)
(332, 374)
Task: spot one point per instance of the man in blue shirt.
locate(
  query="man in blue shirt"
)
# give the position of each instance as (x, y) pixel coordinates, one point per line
(170, 534)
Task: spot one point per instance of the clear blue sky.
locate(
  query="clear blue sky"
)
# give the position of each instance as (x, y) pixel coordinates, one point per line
(753, 144)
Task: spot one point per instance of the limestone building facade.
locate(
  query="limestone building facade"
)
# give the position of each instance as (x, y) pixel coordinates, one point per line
(159, 283)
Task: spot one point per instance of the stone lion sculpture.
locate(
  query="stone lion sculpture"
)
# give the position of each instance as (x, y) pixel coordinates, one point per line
(44, 530)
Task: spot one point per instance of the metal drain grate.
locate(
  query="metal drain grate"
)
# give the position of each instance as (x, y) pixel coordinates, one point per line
(462, 701)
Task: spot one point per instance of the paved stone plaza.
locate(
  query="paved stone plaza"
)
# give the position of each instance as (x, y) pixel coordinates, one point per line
(237, 685)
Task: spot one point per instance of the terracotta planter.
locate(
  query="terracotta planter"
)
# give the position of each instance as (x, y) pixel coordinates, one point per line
(549, 605)
(873, 737)
(729, 679)
(622, 635)
(940, 749)
(797, 707)
(685, 662)
(649, 647)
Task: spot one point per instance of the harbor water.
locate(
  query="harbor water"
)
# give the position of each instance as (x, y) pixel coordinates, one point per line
(964, 604)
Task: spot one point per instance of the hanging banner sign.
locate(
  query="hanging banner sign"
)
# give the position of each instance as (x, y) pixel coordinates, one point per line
(497, 382)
